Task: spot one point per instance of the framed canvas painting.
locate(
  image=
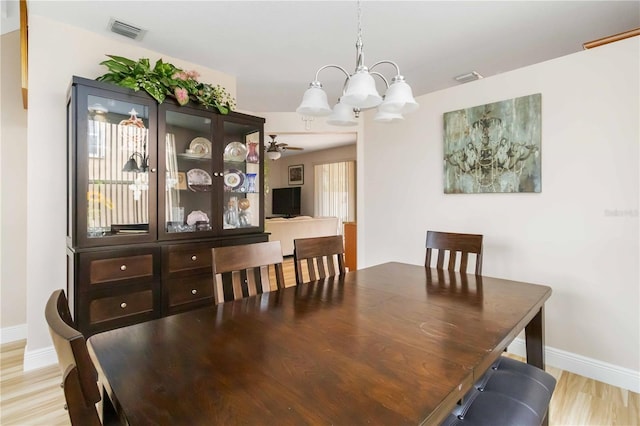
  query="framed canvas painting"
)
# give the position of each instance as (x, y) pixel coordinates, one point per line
(296, 174)
(494, 147)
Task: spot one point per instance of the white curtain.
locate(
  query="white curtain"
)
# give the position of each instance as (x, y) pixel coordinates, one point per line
(335, 191)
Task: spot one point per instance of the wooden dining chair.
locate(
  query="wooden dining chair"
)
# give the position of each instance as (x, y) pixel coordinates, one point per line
(79, 376)
(242, 271)
(322, 256)
(446, 242)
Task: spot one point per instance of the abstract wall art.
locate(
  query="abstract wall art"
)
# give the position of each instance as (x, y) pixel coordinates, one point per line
(494, 147)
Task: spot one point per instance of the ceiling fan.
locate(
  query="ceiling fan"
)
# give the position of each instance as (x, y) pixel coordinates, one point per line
(274, 150)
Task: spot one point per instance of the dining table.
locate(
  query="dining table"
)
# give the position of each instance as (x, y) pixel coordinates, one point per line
(390, 344)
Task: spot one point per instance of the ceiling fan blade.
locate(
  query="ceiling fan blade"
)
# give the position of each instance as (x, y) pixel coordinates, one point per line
(294, 148)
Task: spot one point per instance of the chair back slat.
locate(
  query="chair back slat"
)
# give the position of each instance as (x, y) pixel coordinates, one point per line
(322, 256)
(440, 259)
(321, 272)
(79, 376)
(464, 260)
(452, 244)
(311, 268)
(452, 260)
(264, 279)
(242, 271)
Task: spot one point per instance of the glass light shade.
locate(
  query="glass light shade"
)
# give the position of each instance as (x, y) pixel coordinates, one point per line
(131, 166)
(314, 103)
(387, 117)
(342, 115)
(273, 155)
(361, 91)
(399, 99)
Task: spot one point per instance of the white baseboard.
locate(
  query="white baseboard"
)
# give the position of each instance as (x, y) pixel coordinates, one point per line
(39, 358)
(12, 334)
(588, 367)
(32, 359)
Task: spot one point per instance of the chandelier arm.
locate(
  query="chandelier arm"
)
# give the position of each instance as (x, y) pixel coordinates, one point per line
(332, 66)
(381, 76)
(386, 62)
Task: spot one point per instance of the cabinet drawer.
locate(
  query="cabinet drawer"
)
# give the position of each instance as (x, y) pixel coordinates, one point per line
(188, 258)
(187, 290)
(120, 268)
(121, 306)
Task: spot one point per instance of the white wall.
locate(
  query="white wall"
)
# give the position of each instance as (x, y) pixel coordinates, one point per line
(57, 52)
(566, 236)
(13, 178)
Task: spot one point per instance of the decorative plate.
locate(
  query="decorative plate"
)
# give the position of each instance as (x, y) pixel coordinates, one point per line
(235, 151)
(233, 178)
(198, 180)
(201, 146)
(197, 216)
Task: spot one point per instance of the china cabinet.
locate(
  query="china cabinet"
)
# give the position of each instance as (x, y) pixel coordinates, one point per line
(151, 189)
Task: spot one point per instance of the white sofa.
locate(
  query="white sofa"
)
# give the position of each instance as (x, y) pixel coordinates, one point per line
(287, 230)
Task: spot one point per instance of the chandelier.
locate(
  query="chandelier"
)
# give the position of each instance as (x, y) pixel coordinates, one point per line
(359, 93)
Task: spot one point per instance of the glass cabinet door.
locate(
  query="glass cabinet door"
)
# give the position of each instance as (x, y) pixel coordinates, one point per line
(242, 190)
(117, 178)
(190, 184)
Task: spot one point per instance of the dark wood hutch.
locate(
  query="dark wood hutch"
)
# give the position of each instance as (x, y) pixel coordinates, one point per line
(151, 189)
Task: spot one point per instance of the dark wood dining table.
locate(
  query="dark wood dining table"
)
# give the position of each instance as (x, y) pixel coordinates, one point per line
(391, 344)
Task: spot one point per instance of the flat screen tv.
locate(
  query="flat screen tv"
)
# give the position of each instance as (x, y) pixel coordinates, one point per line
(286, 201)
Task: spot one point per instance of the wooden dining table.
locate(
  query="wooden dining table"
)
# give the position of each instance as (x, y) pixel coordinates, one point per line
(391, 344)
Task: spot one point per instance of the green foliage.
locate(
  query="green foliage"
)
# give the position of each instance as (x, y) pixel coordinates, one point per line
(164, 80)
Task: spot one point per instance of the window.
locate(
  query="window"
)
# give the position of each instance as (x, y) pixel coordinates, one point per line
(335, 191)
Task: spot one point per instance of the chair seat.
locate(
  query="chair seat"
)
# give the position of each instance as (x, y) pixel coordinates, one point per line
(509, 393)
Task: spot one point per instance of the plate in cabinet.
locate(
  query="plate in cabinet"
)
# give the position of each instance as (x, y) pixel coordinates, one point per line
(201, 146)
(199, 180)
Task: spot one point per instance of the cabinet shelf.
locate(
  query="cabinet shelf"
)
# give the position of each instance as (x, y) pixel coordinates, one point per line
(192, 158)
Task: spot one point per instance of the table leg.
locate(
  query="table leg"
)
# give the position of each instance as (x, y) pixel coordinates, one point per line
(534, 337)
(109, 414)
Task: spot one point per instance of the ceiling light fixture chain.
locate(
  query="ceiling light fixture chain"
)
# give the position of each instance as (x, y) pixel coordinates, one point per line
(359, 92)
(359, 21)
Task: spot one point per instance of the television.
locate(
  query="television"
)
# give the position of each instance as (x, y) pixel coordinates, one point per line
(286, 201)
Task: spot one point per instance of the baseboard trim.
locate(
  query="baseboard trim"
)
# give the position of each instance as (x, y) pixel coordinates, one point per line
(39, 358)
(588, 367)
(13, 334)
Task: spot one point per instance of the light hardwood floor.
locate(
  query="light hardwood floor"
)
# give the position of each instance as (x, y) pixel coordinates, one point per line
(35, 398)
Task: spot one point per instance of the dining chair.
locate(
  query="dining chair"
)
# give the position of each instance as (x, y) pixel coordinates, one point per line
(511, 392)
(451, 243)
(322, 256)
(242, 271)
(79, 375)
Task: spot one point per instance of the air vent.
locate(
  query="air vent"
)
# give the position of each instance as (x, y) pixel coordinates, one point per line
(126, 30)
(471, 76)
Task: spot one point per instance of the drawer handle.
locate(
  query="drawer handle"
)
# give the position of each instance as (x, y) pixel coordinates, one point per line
(123, 305)
(194, 291)
(123, 267)
(194, 257)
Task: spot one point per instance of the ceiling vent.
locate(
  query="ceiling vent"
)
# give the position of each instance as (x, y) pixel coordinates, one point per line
(471, 76)
(126, 30)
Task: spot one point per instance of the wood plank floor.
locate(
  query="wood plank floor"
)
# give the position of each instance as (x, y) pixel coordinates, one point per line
(35, 398)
